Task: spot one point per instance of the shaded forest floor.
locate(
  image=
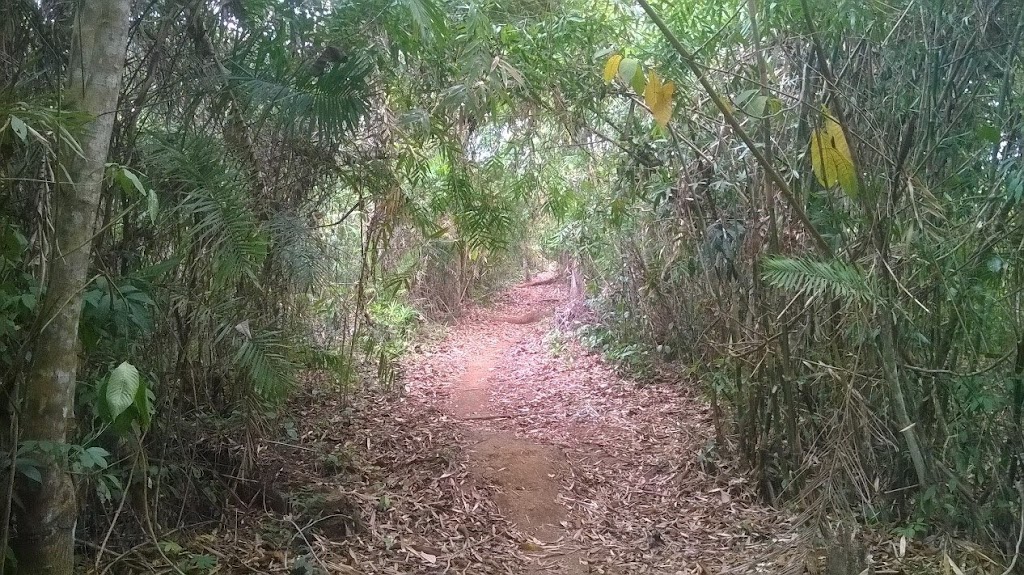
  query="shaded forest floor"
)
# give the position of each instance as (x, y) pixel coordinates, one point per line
(508, 450)
(595, 473)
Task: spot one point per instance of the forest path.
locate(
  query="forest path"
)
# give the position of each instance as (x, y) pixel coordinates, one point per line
(509, 449)
(598, 474)
(527, 472)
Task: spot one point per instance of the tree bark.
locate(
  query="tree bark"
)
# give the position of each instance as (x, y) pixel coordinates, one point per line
(47, 516)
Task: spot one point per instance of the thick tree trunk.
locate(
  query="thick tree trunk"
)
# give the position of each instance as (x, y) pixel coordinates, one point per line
(46, 519)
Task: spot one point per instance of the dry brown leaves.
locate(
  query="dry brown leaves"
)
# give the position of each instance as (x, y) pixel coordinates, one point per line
(383, 486)
(638, 497)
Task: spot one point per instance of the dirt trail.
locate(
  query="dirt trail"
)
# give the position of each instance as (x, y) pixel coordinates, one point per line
(512, 450)
(527, 473)
(598, 474)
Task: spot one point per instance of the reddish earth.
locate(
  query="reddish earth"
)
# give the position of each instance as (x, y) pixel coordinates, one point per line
(599, 474)
(510, 450)
(527, 473)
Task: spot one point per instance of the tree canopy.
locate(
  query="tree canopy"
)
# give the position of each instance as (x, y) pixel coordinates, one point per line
(807, 210)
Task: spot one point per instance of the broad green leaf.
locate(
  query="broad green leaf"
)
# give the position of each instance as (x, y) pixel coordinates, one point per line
(94, 457)
(989, 133)
(639, 81)
(751, 102)
(628, 69)
(743, 97)
(122, 385)
(755, 106)
(144, 400)
(611, 68)
(20, 128)
(830, 156)
(29, 468)
(134, 179)
(152, 205)
(12, 243)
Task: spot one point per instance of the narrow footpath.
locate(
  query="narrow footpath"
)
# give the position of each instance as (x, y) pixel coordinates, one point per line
(505, 449)
(598, 474)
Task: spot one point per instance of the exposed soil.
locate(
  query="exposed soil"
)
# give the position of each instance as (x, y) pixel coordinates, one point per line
(600, 475)
(527, 474)
(508, 451)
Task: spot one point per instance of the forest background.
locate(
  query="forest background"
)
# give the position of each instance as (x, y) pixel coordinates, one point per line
(809, 209)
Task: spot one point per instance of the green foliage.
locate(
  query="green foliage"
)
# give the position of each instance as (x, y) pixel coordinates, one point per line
(121, 388)
(911, 307)
(819, 278)
(208, 204)
(296, 187)
(41, 128)
(19, 292)
(307, 102)
(130, 184)
(630, 356)
(115, 312)
(394, 324)
(124, 400)
(262, 360)
(198, 564)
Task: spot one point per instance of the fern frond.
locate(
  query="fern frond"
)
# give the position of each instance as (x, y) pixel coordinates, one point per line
(329, 105)
(263, 362)
(820, 278)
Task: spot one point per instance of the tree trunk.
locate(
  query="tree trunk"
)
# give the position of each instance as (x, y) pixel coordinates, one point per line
(46, 519)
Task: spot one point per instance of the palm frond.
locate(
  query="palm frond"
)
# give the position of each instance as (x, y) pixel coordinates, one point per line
(209, 203)
(484, 218)
(262, 360)
(427, 16)
(295, 247)
(329, 104)
(820, 278)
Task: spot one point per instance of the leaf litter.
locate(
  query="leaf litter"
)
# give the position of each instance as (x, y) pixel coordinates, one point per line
(395, 483)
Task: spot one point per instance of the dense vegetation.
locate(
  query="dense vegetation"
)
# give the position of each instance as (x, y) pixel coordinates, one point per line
(809, 209)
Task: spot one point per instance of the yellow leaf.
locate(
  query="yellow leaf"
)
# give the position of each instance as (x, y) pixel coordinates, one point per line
(611, 68)
(658, 98)
(663, 110)
(653, 89)
(830, 156)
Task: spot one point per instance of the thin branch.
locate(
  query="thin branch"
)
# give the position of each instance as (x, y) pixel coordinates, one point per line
(754, 149)
(343, 218)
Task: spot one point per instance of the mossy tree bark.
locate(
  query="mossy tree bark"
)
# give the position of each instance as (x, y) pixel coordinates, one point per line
(48, 511)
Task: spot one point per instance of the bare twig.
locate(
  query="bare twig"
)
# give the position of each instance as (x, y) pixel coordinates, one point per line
(1020, 534)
